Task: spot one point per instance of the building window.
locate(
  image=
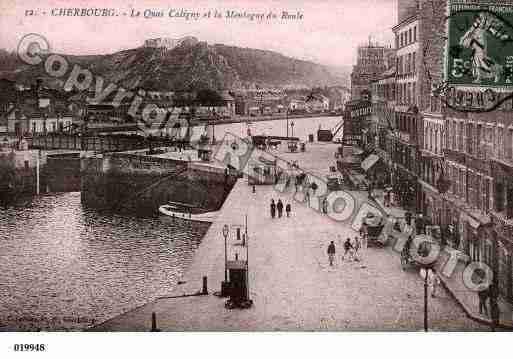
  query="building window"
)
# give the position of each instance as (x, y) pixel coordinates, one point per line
(458, 181)
(415, 34)
(462, 137)
(509, 199)
(477, 145)
(413, 63)
(462, 183)
(468, 139)
(451, 137)
(509, 144)
(478, 181)
(414, 95)
(486, 194)
(500, 145)
(409, 36)
(499, 196)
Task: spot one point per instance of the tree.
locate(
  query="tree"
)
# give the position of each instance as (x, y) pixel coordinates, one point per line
(209, 98)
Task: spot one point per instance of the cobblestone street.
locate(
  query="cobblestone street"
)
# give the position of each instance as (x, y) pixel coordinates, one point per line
(291, 282)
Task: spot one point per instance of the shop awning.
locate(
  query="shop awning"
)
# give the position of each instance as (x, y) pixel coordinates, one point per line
(369, 162)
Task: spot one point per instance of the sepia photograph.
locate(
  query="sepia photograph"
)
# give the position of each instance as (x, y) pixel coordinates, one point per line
(298, 166)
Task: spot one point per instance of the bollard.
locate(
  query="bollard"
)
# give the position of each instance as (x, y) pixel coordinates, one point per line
(254, 189)
(205, 286)
(154, 322)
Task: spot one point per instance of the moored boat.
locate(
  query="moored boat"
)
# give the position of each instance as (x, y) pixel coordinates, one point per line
(176, 210)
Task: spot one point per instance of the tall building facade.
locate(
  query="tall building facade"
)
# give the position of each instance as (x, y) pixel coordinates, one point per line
(450, 161)
(406, 140)
(471, 152)
(372, 60)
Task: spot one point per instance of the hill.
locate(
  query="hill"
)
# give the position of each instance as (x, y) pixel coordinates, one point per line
(188, 67)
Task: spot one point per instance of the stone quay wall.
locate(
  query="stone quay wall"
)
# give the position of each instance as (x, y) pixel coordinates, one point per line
(62, 173)
(94, 143)
(139, 184)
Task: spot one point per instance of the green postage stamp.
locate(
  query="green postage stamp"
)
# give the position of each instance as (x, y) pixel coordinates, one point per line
(480, 45)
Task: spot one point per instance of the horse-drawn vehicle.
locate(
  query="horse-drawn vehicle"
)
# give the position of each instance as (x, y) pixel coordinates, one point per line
(411, 255)
(372, 227)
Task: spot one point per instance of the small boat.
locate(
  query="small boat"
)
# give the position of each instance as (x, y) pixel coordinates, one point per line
(187, 212)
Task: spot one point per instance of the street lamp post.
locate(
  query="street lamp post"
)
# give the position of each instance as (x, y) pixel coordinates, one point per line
(225, 235)
(287, 122)
(224, 284)
(426, 300)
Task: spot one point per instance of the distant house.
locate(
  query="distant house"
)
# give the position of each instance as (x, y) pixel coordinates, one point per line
(228, 104)
(35, 110)
(30, 119)
(317, 103)
(297, 105)
(270, 101)
(8, 95)
(223, 106)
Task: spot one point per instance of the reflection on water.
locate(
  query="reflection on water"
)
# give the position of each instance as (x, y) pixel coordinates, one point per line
(298, 127)
(62, 266)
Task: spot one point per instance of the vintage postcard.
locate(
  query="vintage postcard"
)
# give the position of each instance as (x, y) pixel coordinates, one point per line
(251, 166)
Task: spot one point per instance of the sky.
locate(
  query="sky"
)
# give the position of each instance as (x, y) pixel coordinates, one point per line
(328, 33)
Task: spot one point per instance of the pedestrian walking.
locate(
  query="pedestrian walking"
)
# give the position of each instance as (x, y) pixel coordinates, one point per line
(495, 312)
(325, 206)
(279, 206)
(483, 296)
(387, 198)
(273, 209)
(348, 249)
(331, 253)
(364, 244)
(288, 208)
(356, 245)
(420, 224)
(307, 195)
(433, 281)
(370, 188)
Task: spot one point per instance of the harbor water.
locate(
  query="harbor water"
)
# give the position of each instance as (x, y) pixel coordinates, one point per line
(65, 267)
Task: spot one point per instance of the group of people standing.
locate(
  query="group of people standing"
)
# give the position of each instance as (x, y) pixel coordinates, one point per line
(278, 207)
(353, 250)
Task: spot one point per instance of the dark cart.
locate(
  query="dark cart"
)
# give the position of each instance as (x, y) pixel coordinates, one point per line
(408, 258)
(372, 227)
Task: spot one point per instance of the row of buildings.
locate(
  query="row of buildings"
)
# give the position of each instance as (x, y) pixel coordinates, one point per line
(447, 154)
(39, 109)
(34, 110)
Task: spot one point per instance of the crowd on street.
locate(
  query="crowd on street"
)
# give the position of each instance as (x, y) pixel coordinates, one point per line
(277, 208)
(353, 250)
